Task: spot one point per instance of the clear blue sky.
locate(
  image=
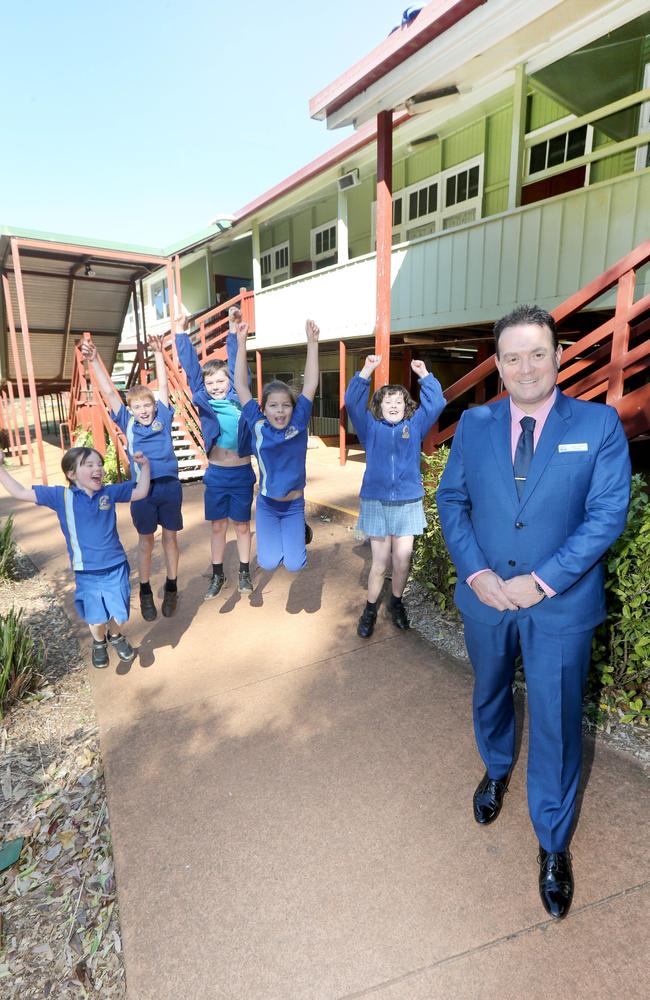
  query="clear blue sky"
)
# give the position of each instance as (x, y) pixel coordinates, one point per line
(141, 121)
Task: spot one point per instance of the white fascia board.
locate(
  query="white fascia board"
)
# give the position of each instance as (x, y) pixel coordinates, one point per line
(486, 27)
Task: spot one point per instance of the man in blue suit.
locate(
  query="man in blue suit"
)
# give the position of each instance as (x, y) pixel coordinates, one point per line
(535, 491)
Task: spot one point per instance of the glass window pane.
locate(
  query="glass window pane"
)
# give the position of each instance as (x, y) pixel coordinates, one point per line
(319, 243)
(422, 202)
(472, 191)
(450, 192)
(557, 150)
(461, 192)
(576, 143)
(397, 212)
(333, 238)
(537, 157)
(433, 197)
(413, 205)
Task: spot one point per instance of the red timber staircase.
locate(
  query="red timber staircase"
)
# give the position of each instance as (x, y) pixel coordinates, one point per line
(88, 410)
(608, 364)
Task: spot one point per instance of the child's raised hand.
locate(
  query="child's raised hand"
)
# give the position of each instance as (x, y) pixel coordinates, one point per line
(182, 318)
(419, 368)
(312, 331)
(372, 361)
(140, 458)
(234, 317)
(155, 342)
(88, 350)
(241, 330)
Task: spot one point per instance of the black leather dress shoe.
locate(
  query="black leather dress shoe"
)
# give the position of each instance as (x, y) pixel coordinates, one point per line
(148, 608)
(555, 881)
(399, 616)
(488, 799)
(366, 625)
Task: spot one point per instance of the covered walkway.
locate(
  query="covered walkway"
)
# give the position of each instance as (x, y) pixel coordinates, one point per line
(291, 806)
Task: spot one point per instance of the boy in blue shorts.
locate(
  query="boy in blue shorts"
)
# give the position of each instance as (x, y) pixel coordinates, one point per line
(229, 478)
(86, 512)
(147, 425)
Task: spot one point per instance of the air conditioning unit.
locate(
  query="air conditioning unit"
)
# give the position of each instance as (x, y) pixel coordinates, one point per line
(348, 180)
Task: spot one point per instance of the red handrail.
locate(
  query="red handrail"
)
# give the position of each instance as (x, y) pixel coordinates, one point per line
(603, 360)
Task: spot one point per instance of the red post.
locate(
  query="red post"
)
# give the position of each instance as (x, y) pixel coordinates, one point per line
(384, 231)
(24, 329)
(19, 377)
(258, 372)
(620, 336)
(343, 416)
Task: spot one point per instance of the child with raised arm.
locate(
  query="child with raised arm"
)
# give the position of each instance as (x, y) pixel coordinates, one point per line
(280, 433)
(229, 478)
(147, 425)
(86, 512)
(391, 430)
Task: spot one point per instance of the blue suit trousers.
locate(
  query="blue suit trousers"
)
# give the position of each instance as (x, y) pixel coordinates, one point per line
(556, 668)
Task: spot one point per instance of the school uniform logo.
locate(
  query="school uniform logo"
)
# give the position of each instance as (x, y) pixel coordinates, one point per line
(290, 432)
(156, 425)
(405, 432)
(104, 503)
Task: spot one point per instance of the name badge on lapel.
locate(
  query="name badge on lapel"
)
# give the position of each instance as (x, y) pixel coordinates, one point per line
(579, 446)
(405, 432)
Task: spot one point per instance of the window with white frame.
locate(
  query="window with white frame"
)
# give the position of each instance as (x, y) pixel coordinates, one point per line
(323, 245)
(441, 201)
(274, 264)
(560, 149)
(160, 298)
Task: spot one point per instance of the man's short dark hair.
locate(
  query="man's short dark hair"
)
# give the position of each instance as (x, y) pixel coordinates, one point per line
(525, 316)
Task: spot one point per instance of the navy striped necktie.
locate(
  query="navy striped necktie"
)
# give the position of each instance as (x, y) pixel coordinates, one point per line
(523, 453)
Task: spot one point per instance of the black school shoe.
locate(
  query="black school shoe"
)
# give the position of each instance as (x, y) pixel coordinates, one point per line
(245, 585)
(398, 614)
(99, 654)
(216, 584)
(148, 608)
(170, 600)
(366, 625)
(122, 646)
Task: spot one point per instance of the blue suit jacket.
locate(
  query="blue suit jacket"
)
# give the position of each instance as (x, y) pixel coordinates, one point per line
(573, 507)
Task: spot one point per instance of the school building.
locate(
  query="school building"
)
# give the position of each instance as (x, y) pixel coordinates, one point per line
(500, 155)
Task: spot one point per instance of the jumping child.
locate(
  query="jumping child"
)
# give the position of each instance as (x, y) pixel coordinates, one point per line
(229, 478)
(391, 430)
(280, 433)
(147, 425)
(86, 512)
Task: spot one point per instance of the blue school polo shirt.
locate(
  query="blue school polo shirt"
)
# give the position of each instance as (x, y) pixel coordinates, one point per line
(281, 453)
(88, 522)
(153, 440)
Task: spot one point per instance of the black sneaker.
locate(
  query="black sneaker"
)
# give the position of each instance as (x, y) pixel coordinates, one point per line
(148, 608)
(122, 646)
(366, 625)
(245, 585)
(170, 600)
(99, 654)
(399, 616)
(309, 534)
(216, 584)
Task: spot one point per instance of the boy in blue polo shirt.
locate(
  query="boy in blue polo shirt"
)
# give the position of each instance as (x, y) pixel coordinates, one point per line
(147, 425)
(86, 512)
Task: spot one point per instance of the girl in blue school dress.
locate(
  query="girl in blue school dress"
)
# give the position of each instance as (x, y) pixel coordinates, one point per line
(86, 512)
(279, 430)
(229, 478)
(391, 514)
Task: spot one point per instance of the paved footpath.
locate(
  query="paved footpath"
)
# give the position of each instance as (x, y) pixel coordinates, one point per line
(291, 806)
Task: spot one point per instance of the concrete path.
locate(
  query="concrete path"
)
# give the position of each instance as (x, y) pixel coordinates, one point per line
(291, 806)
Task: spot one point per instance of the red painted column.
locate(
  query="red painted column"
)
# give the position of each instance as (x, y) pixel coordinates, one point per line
(24, 329)
(384, 230)
(258, 372)
(620, 336)
(343, 416)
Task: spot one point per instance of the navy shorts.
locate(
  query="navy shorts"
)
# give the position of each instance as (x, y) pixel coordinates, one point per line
(102, 594)
(161, 507)
(228, 492)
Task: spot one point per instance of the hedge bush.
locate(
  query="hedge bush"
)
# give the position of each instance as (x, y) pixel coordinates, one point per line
(618, 688)
(84, 439)
(21, 657)
(7, 549)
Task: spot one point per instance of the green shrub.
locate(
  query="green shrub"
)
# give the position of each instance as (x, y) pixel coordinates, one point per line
(432, 566)
(619, 684)
(20, 658)
(7, 549)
